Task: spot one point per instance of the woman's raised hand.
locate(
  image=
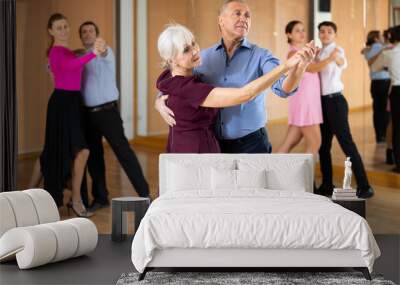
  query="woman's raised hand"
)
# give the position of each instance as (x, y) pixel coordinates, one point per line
(303, 56)
(307, 53)
(293, 61)
(310, 51)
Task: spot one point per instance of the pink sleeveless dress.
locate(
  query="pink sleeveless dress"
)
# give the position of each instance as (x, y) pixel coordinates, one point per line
(305, 105)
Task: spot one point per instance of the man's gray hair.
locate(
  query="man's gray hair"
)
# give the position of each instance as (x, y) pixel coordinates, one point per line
(226, 3)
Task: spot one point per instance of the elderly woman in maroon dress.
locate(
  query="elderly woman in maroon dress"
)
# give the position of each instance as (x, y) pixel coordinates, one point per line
(194, 103)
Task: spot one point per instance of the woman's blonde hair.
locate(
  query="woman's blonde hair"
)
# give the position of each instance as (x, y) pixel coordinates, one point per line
(173, 41)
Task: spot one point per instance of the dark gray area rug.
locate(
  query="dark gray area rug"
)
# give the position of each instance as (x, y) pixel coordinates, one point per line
(243, 278)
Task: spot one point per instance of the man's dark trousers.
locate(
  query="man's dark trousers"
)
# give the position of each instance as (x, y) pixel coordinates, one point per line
(335, 113)
(255, 142)
(380, 93)
(108, 123)
(395, 109)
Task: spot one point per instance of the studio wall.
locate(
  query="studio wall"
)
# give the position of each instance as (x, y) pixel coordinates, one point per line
(269, 18)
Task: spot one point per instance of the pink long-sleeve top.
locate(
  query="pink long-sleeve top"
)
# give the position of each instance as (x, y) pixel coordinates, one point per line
(67, 67)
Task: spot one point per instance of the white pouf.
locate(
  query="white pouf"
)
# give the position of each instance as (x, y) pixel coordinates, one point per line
(31, 232)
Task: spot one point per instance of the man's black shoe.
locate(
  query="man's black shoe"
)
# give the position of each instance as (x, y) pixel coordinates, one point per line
(389, 156)
(381, 140)
(97, 206)
(396, 169)
(325, 190)
(365, 193)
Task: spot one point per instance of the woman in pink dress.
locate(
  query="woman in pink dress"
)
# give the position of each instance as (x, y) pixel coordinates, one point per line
(305, 111)
(65, 150)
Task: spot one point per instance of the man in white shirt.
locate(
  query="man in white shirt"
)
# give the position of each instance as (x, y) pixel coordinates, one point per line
(390, 59)
(335, 115)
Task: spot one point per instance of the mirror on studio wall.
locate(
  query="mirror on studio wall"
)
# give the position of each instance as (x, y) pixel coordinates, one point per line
(377, 130)
(354, 20)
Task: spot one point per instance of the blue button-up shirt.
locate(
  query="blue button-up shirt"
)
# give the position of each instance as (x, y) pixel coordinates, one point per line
(98, 80)
(247, 64)
(376, 75)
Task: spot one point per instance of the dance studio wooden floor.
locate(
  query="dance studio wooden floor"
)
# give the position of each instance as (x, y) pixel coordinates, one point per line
(383, 210)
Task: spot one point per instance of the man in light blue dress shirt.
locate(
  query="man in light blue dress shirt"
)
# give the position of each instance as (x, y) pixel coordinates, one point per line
(100, 96)
(234, 62)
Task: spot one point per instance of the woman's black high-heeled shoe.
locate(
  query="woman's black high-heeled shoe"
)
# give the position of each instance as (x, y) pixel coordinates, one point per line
(83, 214)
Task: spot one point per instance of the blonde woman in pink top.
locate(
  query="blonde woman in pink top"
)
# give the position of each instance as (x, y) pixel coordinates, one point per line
(305, 111)
(65, 151)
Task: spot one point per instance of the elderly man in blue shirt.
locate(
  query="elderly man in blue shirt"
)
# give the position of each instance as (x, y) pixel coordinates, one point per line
(100, 96)
(234, 62)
